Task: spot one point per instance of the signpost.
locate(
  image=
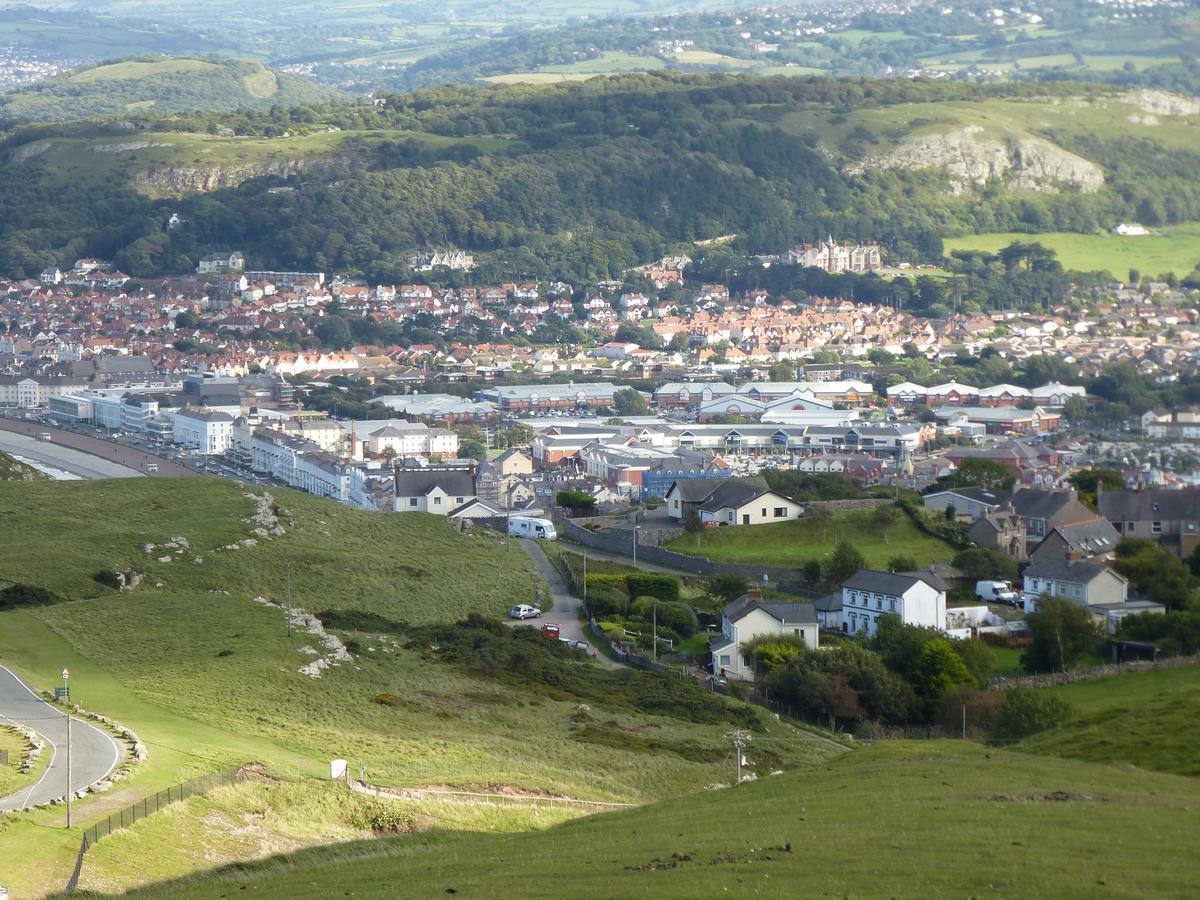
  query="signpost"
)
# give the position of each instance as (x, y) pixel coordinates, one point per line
(66, 673)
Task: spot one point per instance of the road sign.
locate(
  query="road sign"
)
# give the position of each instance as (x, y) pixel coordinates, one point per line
(66, 674)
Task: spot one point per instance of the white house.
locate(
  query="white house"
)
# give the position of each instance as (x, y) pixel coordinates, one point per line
(207, 432)
(432, 490)
(918, 598)
(744, 502)
(750, 617)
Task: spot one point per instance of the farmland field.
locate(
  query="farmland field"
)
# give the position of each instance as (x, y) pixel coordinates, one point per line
(799, 541)
(1175, 248)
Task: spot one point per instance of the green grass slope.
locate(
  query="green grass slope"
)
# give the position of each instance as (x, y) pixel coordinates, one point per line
(1173, 248)
(938, 819)
(798, 541)
(163, 85)
(1147, 719)
(209, 678)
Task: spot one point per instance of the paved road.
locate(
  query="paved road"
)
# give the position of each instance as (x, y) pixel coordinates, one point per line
(566, 613)
(83, 452)
(66, 459)
(94, 754)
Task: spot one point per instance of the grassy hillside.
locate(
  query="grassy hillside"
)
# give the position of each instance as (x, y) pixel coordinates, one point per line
(798, 541)
(210, 678)
(164, 85)
(572, 180)
(1147, 719)
(900, 820)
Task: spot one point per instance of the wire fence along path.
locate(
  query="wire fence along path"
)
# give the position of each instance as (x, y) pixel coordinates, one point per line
(147, 806)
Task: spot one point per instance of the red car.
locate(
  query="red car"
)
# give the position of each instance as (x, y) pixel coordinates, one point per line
(550, 630)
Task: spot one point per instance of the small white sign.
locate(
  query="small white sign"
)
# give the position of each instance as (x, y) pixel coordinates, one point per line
(337, 769)
(66, 673)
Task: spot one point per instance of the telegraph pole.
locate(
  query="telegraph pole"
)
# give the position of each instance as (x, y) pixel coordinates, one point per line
(586, 608)
(739, 738)
(655, 607)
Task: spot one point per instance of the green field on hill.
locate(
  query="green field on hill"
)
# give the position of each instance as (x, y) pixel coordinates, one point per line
(1146, 719)
(938, 819)
(799, 541)
(1174, 248)
(209, 678)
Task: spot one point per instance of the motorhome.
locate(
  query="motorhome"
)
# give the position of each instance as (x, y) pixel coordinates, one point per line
(527, 527)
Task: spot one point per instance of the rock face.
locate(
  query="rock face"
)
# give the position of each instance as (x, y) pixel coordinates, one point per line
(1027, 163)
(1166, 104)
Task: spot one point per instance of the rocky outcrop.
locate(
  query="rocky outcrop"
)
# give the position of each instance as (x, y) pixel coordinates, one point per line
(971, 160)
(1163, 103)
(193, 179)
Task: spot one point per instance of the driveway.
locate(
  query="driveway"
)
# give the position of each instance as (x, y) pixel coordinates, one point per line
(567, 607)
(94, 753)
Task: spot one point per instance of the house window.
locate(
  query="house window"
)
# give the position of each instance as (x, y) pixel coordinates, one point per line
(1156, 528)
(781, 512)
(893, 604)
(724, 659)
(458, 500)
(437, 501)
(412, 501)
(746, 661)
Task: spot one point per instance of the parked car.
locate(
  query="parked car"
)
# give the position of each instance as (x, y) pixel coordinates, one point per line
(525, 611)
(551, 630)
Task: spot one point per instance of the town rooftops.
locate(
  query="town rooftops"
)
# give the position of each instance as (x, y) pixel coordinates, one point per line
(203, 415)
(733, 492)
(981, 495)
(1041, 504)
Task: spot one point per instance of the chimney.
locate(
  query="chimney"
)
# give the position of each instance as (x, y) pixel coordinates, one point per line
(754, 594)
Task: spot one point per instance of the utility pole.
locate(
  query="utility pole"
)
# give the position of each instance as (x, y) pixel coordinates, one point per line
(586, 608)
(964, 722)
(739, 739)
(635, 542)
(68, 770)
(655, 608)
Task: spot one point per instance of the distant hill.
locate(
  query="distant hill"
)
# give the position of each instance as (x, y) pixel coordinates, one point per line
(165, 85)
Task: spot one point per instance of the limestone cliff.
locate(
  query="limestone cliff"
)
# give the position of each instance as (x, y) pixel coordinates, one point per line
(1026, 163)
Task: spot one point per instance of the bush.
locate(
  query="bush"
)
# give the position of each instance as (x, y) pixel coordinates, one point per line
(980, 563)
(983, 710)
(678, 617)
(1026, 712)
(26, 595)
(726, 586)
(616, 582)
(381, 817)
(644, 584)
(606, 600)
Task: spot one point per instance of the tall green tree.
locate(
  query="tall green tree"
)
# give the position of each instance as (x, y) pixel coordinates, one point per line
(1062, 632)
(843, 562)
(937, 670)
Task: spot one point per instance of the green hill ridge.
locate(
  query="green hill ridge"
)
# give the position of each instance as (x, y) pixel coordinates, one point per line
(164, 85)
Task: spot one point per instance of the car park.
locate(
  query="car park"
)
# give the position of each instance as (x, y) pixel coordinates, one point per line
(524, 611)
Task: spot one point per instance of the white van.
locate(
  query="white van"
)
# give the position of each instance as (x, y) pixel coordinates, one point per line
(528, 527)
(997, 592)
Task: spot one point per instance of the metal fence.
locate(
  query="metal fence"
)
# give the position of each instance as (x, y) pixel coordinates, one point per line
(147, 806)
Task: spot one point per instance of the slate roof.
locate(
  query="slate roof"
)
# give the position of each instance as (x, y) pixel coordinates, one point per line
(978, 494)
(1151, 505)
(733, 492)
(1077, 572)
(1040, 504)
(893, 583)
(1096, 537)
(419, 482)
(787, 613)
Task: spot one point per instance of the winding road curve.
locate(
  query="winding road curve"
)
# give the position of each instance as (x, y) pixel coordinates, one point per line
(94, 753)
